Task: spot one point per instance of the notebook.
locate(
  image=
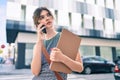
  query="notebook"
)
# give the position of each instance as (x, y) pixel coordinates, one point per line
(69, 44)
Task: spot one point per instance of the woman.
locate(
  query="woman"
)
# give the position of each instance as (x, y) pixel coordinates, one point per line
(39, 66)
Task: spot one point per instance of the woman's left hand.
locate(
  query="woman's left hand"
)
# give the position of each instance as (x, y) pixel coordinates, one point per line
(56, 55)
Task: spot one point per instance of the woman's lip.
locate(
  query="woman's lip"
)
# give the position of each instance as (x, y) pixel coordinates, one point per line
(48, 23)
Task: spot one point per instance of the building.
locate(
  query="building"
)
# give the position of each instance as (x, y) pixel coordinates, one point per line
(95, 21)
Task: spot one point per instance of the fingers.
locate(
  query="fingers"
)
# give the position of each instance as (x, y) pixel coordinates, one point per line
(40, 26)
(55, 55)
(39, 29)
(52, 56)
(55, 49)
(40, 34)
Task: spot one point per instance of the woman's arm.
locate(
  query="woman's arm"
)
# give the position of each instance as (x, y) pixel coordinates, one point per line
(36, 61)
(74, 65)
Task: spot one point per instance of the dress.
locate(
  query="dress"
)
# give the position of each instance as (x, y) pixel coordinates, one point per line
(46, 73)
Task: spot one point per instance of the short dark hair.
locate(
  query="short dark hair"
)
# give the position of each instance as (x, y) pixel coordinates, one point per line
(37, 13)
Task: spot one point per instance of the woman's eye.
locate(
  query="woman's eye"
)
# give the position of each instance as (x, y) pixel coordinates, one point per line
(41, 17)
(48, 14)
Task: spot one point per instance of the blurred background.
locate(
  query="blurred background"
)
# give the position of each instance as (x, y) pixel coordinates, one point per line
(97, 22)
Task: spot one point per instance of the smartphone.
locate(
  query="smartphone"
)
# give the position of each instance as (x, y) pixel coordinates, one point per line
(44, 29)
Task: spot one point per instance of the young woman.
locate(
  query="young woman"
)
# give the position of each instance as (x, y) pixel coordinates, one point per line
(39, 66)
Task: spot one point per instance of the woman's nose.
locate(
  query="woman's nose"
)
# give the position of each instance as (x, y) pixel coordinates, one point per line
(47, 18)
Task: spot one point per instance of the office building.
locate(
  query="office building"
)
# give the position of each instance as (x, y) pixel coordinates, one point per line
(95, 21)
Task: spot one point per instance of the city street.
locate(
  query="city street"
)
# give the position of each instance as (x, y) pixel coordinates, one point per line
(100, 76)
(74, 76)
(8, 72)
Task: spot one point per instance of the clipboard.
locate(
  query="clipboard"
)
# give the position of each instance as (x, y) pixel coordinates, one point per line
(69, 44)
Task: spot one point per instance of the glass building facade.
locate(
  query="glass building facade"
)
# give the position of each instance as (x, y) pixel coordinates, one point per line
(95, 21)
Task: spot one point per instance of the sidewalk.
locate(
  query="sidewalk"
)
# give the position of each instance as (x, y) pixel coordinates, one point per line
(24, 74)
(10, 70)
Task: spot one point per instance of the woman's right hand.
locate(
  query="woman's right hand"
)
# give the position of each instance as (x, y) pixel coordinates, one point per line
(40, 34)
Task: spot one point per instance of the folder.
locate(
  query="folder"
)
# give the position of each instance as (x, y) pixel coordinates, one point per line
(69, 45)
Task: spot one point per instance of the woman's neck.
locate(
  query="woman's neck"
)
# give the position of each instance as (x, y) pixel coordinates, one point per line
(50, 33)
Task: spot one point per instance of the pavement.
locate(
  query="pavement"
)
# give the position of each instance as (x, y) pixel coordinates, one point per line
(9, 69)
(23, 74)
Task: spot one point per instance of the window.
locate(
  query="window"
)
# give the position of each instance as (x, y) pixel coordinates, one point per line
(109, 13)
(117, 51)
(87, 50)
(106, 52)
(83, 8)
(28, 53)
(99, 59)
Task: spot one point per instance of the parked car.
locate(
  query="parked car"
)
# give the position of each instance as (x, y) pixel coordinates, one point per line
(117, 68)
(97, 64)
(117, 72)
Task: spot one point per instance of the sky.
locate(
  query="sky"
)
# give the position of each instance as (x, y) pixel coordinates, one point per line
(3, 4)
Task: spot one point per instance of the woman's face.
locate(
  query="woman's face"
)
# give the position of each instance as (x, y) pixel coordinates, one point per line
(46, 18)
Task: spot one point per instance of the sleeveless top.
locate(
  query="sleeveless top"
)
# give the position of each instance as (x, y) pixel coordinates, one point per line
(46, 73)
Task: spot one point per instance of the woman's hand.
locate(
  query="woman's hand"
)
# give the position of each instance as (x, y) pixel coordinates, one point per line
(75, 65)
(40, 34)
(56, 55)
